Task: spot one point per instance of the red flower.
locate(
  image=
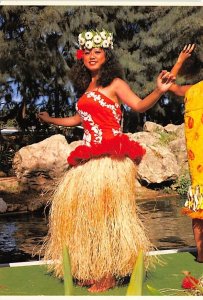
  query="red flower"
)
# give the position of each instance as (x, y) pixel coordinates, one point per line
(189, 282)
(79, 54)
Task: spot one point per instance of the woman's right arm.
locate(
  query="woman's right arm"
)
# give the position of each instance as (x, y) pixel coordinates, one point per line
(67, 122)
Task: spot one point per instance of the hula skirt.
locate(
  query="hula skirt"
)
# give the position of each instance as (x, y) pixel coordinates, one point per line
(93, 212)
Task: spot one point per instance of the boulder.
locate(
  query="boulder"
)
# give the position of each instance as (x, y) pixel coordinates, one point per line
(37, 165)
(171, 128)
(178, 148)
(159, 165)
(2, 174)
(145, 138)
(152, 127)
(3, 206)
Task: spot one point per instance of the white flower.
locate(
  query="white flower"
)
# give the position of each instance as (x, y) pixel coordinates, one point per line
(81, 41)
(105, 44)
(97, 39)
(89, 45)
(111, 45)
(109, 39)
(88, 35)
(79, 36)
(103, 35)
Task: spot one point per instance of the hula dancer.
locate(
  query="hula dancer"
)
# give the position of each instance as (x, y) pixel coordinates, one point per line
(194, 142)
(93, 210)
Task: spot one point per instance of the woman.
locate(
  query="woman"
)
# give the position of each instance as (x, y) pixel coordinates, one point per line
(193, 132)
(93, 210)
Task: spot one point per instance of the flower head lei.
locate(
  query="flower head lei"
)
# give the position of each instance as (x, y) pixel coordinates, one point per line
(94, 39)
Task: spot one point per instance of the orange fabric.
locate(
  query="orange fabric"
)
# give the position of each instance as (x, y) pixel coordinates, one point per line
(192, 214)
(194, 143)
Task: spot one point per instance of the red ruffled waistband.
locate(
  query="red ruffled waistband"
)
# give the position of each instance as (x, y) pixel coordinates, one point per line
(120, 146)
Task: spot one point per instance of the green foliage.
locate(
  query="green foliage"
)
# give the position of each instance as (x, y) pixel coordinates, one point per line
(153, 291)
(136, 280)
(11, 123)
(8, 148)
(166, 137)
(68, 281)
(38, 45)
(167, 190)
(183, 184)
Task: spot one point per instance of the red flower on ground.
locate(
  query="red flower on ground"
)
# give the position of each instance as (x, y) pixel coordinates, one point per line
(189, 282)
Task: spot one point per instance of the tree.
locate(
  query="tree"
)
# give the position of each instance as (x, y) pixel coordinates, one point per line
(38, 45)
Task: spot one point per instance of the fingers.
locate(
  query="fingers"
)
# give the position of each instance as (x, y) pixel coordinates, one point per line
(167, 77)
(188, 48)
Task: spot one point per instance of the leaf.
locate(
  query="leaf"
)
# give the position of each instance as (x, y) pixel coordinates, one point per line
(136, 279)
(68, 280)
(153, 291)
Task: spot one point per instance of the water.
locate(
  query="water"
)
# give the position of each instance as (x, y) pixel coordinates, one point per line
(21, 235)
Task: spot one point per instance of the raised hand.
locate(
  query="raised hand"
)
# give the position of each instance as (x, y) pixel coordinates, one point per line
(185, 53)
(165, 80)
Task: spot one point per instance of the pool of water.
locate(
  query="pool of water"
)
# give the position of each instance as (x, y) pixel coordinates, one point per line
(21, 235)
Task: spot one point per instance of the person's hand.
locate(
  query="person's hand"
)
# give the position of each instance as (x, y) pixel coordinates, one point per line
(185, 53)
(164, 81)
(43, 116)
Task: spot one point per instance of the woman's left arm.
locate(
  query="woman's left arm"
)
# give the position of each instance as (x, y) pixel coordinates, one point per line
(127, 96)
(183, 56)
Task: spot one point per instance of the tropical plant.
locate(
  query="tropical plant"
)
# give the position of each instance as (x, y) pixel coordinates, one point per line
(68, 281)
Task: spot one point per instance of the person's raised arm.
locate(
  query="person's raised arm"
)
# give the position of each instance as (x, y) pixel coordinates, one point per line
(183, 56)
(68, 122)
(127, 96)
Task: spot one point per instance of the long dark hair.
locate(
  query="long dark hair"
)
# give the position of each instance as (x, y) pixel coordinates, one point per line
(81, 76)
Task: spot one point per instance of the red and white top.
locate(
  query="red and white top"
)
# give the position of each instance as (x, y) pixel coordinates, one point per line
(101, 119)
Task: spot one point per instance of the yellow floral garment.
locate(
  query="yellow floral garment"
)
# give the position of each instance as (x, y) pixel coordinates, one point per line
(194, 142)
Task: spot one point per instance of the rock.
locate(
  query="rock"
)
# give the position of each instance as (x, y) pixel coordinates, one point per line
(3, 174)
(158, 165)
(180, 132)
(37, 165)
(152, 127)
(171, 128)
(35, 205)
(178, 148)
(3, 206)
(13, 207)
(145, 138)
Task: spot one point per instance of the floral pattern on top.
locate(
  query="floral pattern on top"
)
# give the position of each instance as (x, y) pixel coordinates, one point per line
(102, 131)
(94, 127)
(103, 103)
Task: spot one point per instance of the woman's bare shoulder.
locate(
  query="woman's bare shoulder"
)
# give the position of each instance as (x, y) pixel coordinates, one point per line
(118, 83)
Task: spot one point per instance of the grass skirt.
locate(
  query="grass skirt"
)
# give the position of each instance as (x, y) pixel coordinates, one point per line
(93, 212)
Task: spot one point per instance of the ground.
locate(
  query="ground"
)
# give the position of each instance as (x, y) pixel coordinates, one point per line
(18, 199)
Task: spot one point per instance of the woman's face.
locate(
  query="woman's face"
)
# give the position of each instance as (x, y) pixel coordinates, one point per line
(94, 58)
